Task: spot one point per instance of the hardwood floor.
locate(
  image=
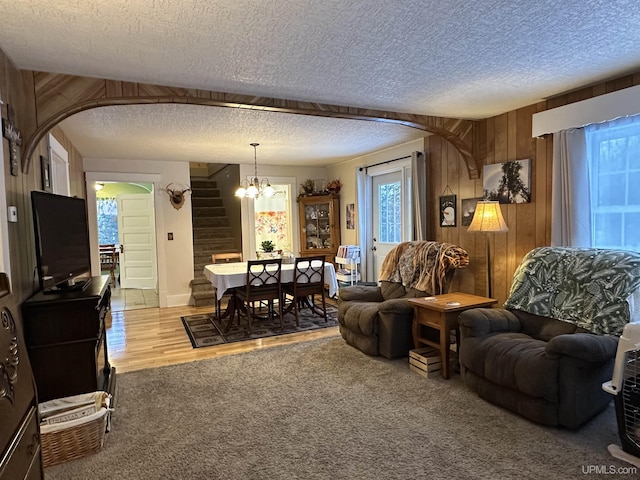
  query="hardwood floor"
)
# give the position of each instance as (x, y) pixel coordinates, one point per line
(154, 337)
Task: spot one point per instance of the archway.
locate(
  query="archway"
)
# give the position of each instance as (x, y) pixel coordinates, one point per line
(60, 96)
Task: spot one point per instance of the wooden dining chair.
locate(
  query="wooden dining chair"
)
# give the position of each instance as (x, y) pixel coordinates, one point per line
(109, 261)
(308, 281)
(224, 257)
(262, 284)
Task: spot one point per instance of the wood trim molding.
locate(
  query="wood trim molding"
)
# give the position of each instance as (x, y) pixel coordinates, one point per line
(60, 96)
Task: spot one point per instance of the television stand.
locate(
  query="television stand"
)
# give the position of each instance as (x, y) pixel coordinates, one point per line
(70, 286)
(67, 340)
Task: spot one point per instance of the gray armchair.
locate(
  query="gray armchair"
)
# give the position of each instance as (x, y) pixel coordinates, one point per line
(377, 319)
(546, 369)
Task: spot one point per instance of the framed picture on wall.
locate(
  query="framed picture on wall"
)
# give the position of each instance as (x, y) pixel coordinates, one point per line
(448, 211)
(508, 182)
(351, 216)
(467, 209)
(45, 173)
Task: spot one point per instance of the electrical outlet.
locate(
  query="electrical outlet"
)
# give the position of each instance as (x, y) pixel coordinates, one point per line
(170, 235)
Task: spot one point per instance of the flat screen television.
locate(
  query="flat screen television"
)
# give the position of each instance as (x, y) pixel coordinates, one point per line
(62, 241)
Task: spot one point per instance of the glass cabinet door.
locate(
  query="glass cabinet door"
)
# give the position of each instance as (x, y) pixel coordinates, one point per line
(317, 225)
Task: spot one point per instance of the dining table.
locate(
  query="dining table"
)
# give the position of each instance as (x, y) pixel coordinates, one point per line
(227, 276)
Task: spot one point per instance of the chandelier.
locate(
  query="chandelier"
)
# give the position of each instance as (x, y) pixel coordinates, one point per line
(255, 188)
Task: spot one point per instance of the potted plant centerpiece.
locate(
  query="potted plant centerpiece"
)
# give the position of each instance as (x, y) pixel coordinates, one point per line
(268, 247)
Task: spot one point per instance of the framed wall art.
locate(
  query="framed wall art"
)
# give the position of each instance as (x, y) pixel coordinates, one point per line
(508, 182)
(467, 209)
(448, 211)
(351, 216)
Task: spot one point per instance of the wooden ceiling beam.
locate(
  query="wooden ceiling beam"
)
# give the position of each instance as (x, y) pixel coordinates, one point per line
(60, 96)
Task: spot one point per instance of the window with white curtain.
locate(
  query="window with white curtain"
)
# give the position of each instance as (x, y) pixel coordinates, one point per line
(613, 151)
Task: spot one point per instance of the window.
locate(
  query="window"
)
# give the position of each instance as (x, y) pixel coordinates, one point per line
(107, 220)
(390, 206)
(272, 216)
(613, 150)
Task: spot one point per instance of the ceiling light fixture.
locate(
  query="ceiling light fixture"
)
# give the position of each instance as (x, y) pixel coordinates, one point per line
(98, 186)
(255, 188)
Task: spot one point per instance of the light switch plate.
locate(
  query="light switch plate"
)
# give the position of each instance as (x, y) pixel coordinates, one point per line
(12, 214)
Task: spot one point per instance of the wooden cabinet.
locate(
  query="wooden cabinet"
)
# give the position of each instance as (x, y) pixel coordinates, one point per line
(319, 225)
(67, 340)
(20, 456)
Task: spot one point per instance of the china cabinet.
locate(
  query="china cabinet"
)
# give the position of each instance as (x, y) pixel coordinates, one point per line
(319, 225)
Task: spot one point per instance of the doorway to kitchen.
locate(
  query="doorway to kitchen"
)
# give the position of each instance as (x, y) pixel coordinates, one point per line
(126, 227)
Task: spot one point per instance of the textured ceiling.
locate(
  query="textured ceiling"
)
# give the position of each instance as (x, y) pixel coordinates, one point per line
(222, 135)
(455, 58)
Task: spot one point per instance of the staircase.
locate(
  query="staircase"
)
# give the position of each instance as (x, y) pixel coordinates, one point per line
(211, 234)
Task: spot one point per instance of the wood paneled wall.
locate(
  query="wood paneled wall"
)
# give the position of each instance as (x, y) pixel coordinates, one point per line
(17, 91)
(499, 139)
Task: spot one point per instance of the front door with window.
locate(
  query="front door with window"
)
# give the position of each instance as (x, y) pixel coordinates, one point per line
(391, 220)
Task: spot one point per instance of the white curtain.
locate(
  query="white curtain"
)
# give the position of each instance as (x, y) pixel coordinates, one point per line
(570, 201)
(419, 195)
(364, 219)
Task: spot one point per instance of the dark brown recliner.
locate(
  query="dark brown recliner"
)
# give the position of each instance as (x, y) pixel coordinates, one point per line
(545, 369)
(377, 319)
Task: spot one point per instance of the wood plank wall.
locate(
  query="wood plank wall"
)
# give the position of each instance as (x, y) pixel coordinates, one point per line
(498, 139)
(17, 91)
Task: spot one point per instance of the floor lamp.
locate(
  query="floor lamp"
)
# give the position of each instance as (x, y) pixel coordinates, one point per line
(488, 219)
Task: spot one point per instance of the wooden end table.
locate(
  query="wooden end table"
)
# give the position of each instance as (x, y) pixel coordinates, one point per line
(440, 312)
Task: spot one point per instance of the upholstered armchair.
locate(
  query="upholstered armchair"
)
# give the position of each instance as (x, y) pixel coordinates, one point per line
(546, 354)
(377, 319)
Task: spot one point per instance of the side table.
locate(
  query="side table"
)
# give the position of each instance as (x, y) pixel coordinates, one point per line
(440, 313)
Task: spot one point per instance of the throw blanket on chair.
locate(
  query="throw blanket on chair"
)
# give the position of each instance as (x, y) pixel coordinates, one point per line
(423, 265)
(587, 287)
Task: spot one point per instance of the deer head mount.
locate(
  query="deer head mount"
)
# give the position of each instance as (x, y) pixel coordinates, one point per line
(176, 197)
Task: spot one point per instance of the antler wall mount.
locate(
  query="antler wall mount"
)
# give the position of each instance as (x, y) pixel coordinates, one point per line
(176, 196)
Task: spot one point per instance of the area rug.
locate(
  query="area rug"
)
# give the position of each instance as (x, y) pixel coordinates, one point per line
(322, 410)
(204, 330)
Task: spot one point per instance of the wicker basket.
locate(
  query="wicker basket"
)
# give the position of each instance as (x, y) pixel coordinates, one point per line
(76, 438)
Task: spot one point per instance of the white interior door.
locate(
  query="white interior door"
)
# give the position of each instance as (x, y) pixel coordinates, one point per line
(59, 161)
(136, 234)
(391, 222)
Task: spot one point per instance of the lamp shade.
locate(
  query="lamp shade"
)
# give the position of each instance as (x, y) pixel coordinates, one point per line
(488, 218)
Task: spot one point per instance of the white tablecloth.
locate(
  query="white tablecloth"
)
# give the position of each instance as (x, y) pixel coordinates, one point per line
(230, 275)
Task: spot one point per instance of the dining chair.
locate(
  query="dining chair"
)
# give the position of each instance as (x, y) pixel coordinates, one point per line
(224, 257)
(109, 261)
(308, 281)
(262, 284)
